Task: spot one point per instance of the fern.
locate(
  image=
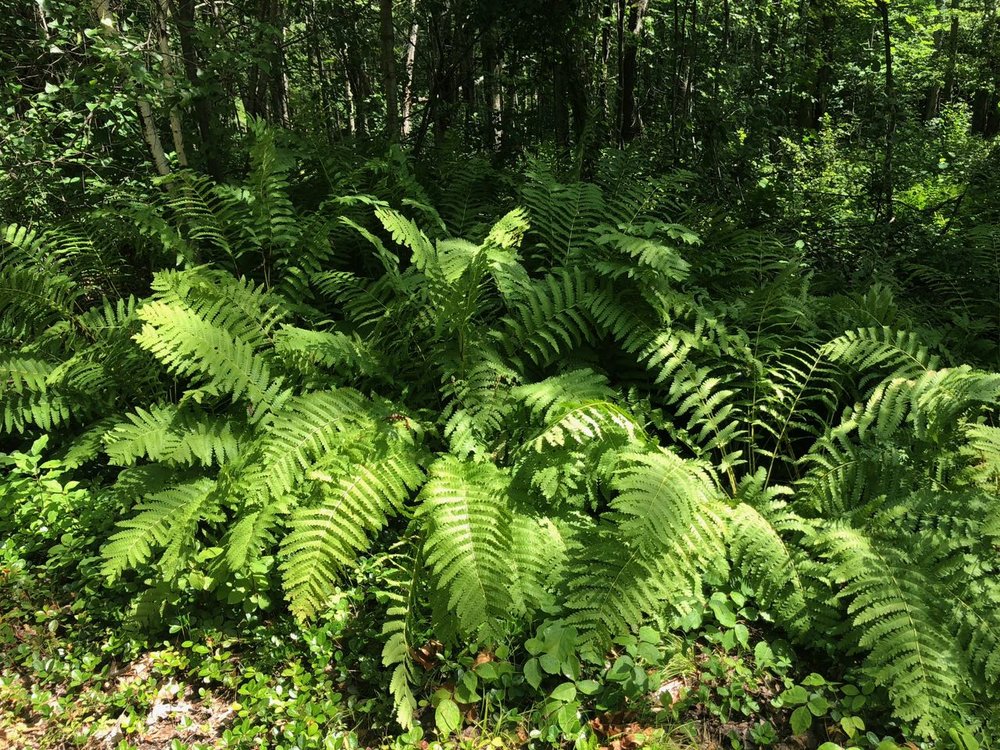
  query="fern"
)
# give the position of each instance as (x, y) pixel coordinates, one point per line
(551, 317)
(892, 605)
(592, 407)
(170, 435)
(669, 530)
(166, 520)
(354, 501)
(468, 540)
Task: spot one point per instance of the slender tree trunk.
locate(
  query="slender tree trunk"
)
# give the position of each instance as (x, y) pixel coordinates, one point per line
(275, 77)
(176, 126)
(152, 137)
(560, 103)
(984, 101)
(949, 76)
(620, 12)
(602, 91)
(675, 87)
(208, 146)
(630, 116)
(888, 209)
(932, 100)
(824, 77)
(329, 113)
(388, 55)
(491, 81)
(690, 75)
(357, 89)
(411, 58)
(102, 9)
(352, 116)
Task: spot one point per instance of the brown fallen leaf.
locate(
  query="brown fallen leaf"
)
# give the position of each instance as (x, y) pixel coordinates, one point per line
(483, 657)
(426, 655)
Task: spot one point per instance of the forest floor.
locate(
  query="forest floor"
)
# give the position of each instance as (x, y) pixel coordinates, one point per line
(135, 707)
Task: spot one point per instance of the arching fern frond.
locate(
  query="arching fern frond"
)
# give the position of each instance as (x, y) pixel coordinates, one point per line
(669, 530)
(354, 497)
(165, 520)
(895, 616)
(468, 542)
(170, 435)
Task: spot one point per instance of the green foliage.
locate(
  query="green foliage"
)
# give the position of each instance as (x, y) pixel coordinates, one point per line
(572, 418)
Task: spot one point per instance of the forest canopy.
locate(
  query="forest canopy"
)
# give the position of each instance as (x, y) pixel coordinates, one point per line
(469, 374)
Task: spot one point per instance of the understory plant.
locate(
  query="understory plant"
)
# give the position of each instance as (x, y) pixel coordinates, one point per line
(592, 408)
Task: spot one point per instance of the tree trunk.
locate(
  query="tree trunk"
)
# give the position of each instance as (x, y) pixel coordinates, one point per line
(984, 101)
(184, 12)
(629, 114)
(147, 121)
(887, 211)
(329, 113)
(357, 88)
(176, 126)
(388, 55)
(276, 68)
(560, 103)
(949, 76)
(411, 58)
(602, 86)
(153, 137)
(491, 82)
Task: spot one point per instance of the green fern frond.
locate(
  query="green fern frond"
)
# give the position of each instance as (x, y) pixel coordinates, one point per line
(894, 611)
(551, 317)
(768, 549)
(404, 580)
(561, 215)
(553, 394)
(242, 308)
(669, 531)
(479, 404)
(585, 423)
(190, 346)
(354, 502)
(406, 233)
(539, 557)
(334, 349)
(900, 353)
(982, 450)
(304, 430)
(165, 520)
(26, 397)
(641, 253)
(468, 543)
(174, 436)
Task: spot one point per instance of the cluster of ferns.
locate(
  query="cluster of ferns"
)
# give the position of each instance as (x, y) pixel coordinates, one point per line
(562, 398)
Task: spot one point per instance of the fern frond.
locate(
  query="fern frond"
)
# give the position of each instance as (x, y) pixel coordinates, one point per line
(894, 612)
(334, 349)
(165, 520)
(766, 545)
(325, 537)
(305, 429)
(26, 397)
(551, 317)
(670, 530)
(553, 394)
(174, 436)
(468, 543)
(900, 353)
(561, 215)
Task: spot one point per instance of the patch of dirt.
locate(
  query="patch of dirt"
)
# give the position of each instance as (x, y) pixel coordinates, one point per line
(177, 713)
